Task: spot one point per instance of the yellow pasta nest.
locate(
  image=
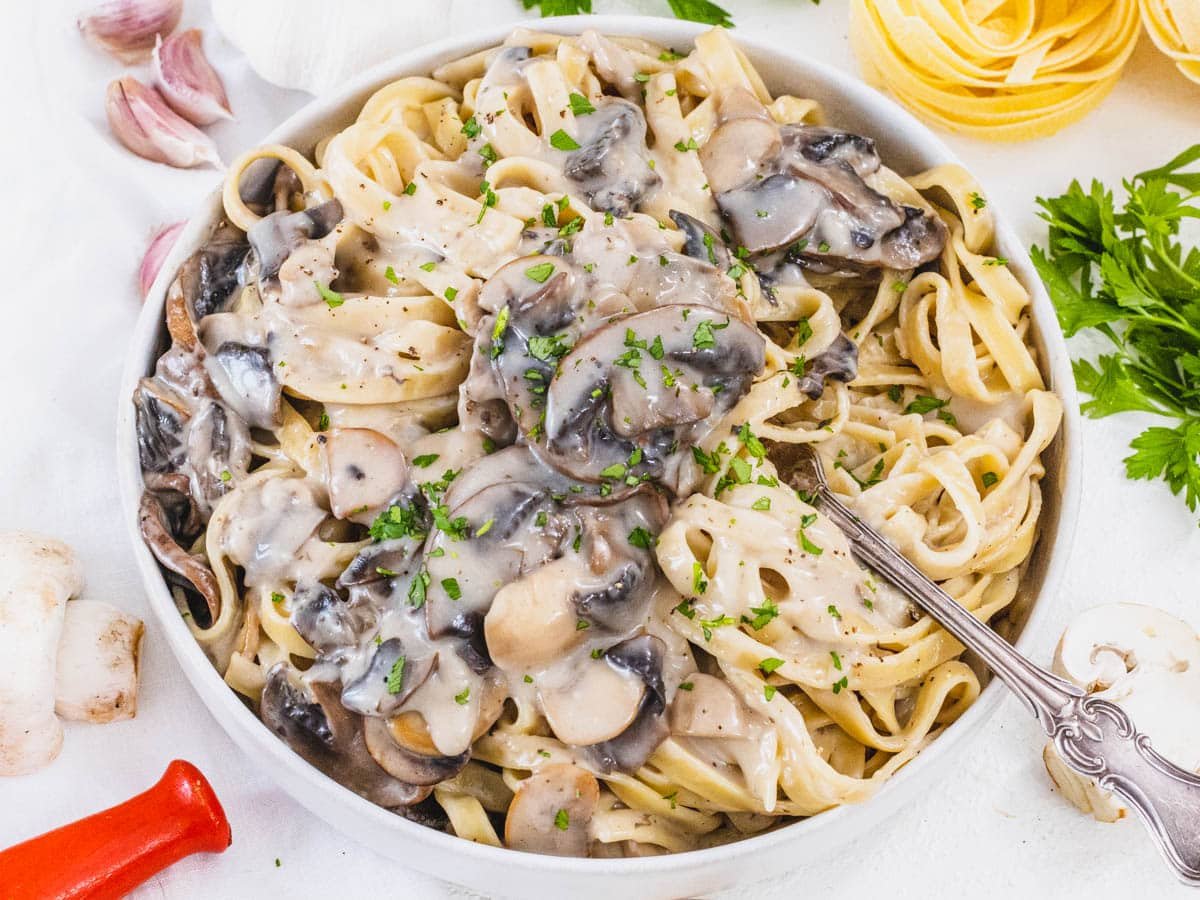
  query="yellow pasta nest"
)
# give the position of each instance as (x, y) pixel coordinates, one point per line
(1174, 25)
(1000, 69)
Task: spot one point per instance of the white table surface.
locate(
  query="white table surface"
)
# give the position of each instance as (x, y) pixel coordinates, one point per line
(993, 826)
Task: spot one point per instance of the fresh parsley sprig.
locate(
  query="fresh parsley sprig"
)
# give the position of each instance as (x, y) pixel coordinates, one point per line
(1125, 273)
(694, 10)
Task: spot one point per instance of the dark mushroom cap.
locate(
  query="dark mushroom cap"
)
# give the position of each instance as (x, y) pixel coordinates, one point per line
(308, 716)
(274, 237)
(212, 274)
(641, 657)
(612, 165)
(197, 576)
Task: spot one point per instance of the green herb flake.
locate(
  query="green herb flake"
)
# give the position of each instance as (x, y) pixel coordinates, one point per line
(560, 140)
(332, 298)
(770, 664)
(562, 821)
(580, 105)
(463, 697)
(450, 586)
(395, 676)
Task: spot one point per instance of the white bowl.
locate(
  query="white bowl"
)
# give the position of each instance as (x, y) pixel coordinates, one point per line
(906, 145)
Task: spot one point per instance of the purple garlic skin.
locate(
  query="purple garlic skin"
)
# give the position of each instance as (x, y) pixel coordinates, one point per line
(160, 245)
(187, 80)
(127, 29)
(141, 120)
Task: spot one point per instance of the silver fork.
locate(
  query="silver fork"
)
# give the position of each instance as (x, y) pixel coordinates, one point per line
(1094, 737)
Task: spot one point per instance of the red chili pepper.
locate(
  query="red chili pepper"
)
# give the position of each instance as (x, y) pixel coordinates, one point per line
(105, 856)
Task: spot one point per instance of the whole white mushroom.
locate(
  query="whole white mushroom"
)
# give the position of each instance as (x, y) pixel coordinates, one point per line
(1147, 662)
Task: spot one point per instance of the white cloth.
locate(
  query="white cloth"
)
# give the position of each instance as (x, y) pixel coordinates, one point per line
(71, 247)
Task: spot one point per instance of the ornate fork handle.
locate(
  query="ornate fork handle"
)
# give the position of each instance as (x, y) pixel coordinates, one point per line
(1093, 736)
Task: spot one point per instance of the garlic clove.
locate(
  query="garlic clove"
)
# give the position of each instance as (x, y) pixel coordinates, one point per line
(128, 28)
(187, 80)
(141, 120)
(160, 245)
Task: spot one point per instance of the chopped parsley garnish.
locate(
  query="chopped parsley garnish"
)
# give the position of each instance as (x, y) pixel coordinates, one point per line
(685, 609)
(837, 660)
(977, 200)
(226, 476)
(540, 272)
(841, 684)
(471, 128)
(450, 586)
(996, 261)
(425, 460)
(489, 199)
(395, 677)
(707, 625)
(427, 267)
(498, 330)
(390, 274)
(923, 404)
(410, 189)
(770, 664)
(703, 337)
(397, 522)
(451, 293)
(769, 691)
(807, 545)
(640, 537)
(582, 624)
(484, 528)
(616, 470)
(560, 140)
(699, 582)
(332, 298)
(684, 147)
(548, 349)
(762, 503)
(708, 245)
(686, 685)
(989, 478)
(456, 529)
(417, 589)
(488, 152)
(323, 421)
(562, 821)
(752, 444)
(277, 597)
(580, 105)
(463, 696)
(834, 611)
(894, 393)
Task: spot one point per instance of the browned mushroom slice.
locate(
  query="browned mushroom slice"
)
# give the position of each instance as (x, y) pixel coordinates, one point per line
(700, 241)
(211, 274)
(745, 138)
(393, 558)
(612, 165)
(709, 710)
(173, 491)
(634, 395)
(404, 764)
(218, 452)
(197, 576)
(308, 716)
(552, 810)
(274, 237)
(363, 471)
(640, 657)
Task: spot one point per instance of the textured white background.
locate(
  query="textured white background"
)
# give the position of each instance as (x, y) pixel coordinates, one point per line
(70, 247)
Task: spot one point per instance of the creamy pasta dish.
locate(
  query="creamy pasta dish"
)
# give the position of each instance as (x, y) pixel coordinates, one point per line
(470, 458)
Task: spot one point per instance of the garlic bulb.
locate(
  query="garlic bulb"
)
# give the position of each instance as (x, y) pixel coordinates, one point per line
(128, 28)
(142, 121)
(160, 245)
(187, 80)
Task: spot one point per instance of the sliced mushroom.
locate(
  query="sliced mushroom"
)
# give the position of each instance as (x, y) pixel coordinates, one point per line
(363, 471)
(839, 362)
(328, 622)
(218, 452)
(395, 558)
(390, 678)
(97, 673)
(642, 657)
(197, 576)
(552, 810)
(1148, 663)
(710, 710)
(612, 167)
(211, 274)
(401, 763)
(700, 241)
(312, 721)
(274, 237)
(802, 187)
(244, 376)
(160, 420)
(532, 620)
(618, 406)
(597, 706)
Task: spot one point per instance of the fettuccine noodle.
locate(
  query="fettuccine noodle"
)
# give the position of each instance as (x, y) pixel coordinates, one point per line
(999, 69)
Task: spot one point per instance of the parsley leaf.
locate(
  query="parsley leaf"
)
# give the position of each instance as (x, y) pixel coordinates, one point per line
(701, 11)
